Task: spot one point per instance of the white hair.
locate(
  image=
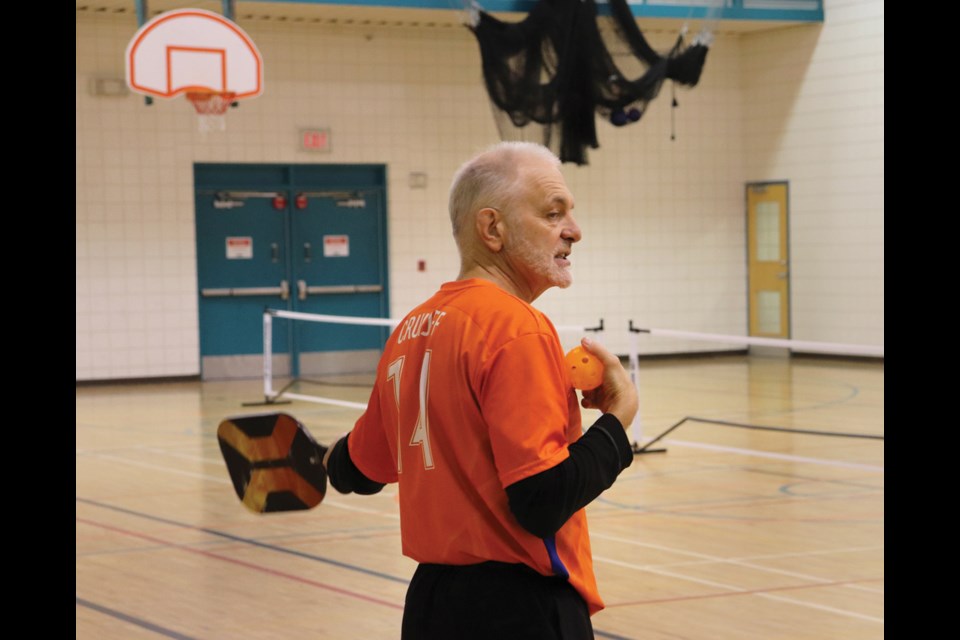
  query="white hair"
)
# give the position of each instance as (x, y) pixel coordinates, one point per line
(490, 179)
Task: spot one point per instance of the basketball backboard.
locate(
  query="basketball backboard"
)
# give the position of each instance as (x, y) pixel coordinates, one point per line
(196, 52)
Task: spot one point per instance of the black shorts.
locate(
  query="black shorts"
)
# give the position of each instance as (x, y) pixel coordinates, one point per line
(492, 601)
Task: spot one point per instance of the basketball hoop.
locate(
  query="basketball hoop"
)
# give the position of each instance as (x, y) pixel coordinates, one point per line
(211, 108)
(197, 52)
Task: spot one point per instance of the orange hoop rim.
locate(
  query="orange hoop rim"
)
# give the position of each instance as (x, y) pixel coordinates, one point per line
(211, 102)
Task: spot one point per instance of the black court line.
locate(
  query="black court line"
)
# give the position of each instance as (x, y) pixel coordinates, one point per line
(646, 448)
(149, 626)
(331, 383)
(786, 429)
(255, 543)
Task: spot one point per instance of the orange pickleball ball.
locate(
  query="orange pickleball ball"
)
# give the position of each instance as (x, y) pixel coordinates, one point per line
(586, 371)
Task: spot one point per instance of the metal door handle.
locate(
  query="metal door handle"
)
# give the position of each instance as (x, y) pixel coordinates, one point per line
(306, 251)
(232, 292)
(303, 289)
(782, 275)
(344, 288)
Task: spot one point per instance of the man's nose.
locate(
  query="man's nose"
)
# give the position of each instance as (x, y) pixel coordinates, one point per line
(571, 231)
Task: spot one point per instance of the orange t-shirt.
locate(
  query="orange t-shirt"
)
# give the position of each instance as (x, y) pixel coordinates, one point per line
(471, 396)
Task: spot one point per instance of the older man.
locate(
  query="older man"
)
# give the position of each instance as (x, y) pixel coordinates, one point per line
(473, 414)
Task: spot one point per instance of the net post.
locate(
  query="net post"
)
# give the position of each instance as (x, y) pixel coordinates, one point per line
(269, 395)
(267, 355)
(636, 428)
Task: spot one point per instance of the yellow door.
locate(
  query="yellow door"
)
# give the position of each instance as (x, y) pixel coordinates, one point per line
(768, 261)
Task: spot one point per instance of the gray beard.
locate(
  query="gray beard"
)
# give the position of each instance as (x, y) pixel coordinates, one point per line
(541, 264)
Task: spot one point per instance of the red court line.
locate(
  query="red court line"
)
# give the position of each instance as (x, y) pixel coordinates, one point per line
(744, 593)
(248, 565)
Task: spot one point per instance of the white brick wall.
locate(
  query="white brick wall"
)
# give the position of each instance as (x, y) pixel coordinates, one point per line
(814, 114)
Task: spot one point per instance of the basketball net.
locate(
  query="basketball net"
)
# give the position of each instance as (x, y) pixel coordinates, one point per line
(211, 109)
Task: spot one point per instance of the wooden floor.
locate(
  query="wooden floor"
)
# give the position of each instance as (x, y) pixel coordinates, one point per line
(732, 532)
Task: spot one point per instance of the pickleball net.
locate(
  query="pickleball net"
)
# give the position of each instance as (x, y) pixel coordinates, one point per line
(362, 367)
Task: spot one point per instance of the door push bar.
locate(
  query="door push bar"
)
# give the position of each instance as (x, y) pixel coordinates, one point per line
(303, 290)
(283, 291)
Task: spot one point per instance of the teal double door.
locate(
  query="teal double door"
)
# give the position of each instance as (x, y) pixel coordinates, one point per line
(306, 238)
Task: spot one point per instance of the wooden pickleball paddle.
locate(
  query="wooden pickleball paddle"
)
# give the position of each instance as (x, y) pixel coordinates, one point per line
(273, 461)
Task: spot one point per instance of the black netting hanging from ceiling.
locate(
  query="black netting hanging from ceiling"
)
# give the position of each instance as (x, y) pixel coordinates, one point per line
(558, 69)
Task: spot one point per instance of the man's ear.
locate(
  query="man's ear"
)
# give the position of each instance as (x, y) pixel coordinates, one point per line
(489, 223)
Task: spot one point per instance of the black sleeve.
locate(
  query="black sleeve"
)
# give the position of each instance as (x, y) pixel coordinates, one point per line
(543, 502)
(344, 475)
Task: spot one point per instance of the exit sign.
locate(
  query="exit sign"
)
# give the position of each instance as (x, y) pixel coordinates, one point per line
(315, 139)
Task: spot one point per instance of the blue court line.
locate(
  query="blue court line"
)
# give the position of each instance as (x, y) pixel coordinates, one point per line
(799, 479)
(135, 621)
(250, 541)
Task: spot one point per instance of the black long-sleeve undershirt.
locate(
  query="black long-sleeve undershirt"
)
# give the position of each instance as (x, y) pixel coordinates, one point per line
(344, 475)
(544, 501)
